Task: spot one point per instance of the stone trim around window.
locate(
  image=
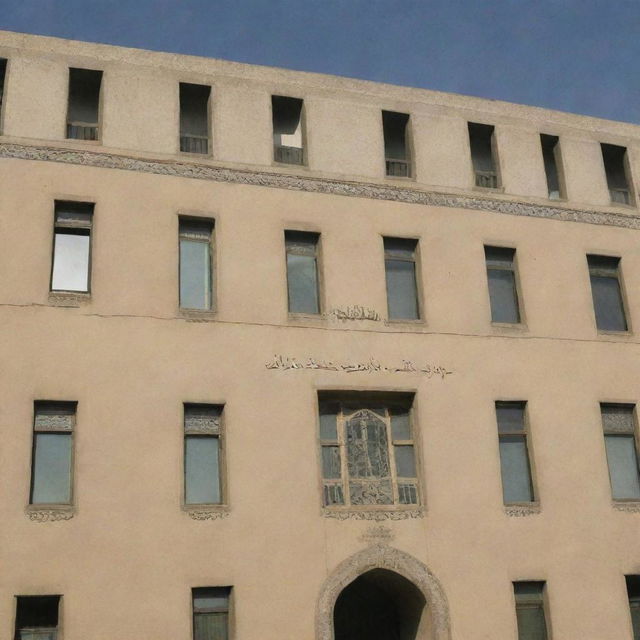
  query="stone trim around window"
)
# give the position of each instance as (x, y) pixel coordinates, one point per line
(357, 514)
(317, 185)
(41, 513)
(522, 510)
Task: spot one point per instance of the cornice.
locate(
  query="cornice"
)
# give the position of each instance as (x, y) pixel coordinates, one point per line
(311, 184)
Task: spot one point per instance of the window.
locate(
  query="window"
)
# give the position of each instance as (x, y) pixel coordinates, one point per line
(196, 282)
(288, 134)
(514, 455)
(37, 617)
(397, 153)
(607, 294)
(52, 454)
(503, 289)
(633, 592)
(83, 110)
(532, 624)
(72, 246)
(619, 426)
(211, 613)
(3, 71)
(400, 275)
(302, 271)
(366, 446)
(551, 156)
(481, 139)
(616, 169)
(194, 118)
(202, 454)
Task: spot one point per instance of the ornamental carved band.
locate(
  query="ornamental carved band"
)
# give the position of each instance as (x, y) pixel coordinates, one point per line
(50, 515)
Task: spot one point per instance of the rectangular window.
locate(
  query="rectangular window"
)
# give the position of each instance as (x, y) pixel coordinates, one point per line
(397, 152)
(551, 156)
(401, 279)
(72, 246)
(202, 454)
(196, 264)
(211, 613)
(83, 110)
(514, 454)
(503, 290)
(367, 452)
(607, 293)
(633, 592)
(481, 139)
(532, 624)
(288, 130)
(619, 426)
(52, 455)
(3, 71)
(194, 118)
(37, 617)
(616, 169)
(302, 271)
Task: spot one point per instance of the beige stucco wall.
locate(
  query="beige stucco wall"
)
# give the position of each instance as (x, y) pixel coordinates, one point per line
(126, 561)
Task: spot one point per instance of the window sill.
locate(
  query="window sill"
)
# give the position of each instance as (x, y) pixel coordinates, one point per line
(371, 513)
(608, 333)
(401, 178)
(198, 315)
(206, 511)
(522, 509)
(88, 143)
(195, 154)
(50, 512)
(394, 322)
(627, 506)
(306, 317)
(488, 189)
(69, 298)
(518, 327)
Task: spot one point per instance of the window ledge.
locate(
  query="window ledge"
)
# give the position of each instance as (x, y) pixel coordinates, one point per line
(374, 514)
(518, 327)
(198, 315)
(206, 511)
(50, 512)
(632, 506)
(488, 189)
(608, 333)
(522, 510)
(69, 298)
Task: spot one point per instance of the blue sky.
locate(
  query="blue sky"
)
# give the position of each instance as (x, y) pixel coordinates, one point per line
(580, 56)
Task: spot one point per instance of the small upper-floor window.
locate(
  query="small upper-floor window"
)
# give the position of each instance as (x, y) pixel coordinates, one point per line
(288, 130)
(302, 271)
(3, 71)
(203, 454)
(401, 278)
(616, 168)
(503, 286)
(194, 118)
(606, 291)
(633, 593)
(71, 265)
(83, 109)
(211, 613)
(367, 450)
(619, 426)
(515, 467)
(196, 263)
(483, 155)
(397, 149)
(530, 610)
(37, 617)
(51, 463)
(550, 146)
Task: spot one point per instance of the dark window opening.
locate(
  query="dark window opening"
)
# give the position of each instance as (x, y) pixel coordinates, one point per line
(633, 592)
(615, 160)
(210, 613)
(532, 624)
(302, 271)
(380, 605)
(606, 292)
(287, 130)
(619, 426)
(503, 292)
(550, 150)
(37, 617)
(194, 118)
(3, 71)
(482, 156)
(397, 153)
(83, 111)
(196, 263)
(401, 280)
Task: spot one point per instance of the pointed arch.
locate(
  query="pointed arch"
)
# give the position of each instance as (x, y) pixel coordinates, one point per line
(381, 556)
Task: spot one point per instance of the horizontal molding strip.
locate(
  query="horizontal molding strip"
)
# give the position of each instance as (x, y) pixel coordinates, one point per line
(316, 185)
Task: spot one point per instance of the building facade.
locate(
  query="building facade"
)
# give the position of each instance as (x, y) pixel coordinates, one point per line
(294, 356)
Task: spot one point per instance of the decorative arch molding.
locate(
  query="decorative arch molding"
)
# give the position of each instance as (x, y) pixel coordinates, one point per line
(381, 556)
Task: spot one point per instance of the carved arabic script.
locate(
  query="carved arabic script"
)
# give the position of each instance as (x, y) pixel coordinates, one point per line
(355, 312)
(286, 363)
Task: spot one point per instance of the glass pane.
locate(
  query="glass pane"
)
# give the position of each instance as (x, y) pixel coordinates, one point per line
(51, 468)
(207, 598)
(202, 472)
(502, 295)
(510, 416)
(514, 467)
(302, 283)
(531, 623)
(331, 462)
(38, 634)
(607, 303)
(70, 262)
(634, 607)
(367, 449)
(623, 466)
(400, 427)
(400, 247)
(405, 461)
(195, 275)
(402, 300)
(499, 256)
(210, 626)
(328, 427)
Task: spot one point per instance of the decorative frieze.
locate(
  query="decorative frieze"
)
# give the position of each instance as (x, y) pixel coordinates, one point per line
(207, 514)
(522, 510)
(379, 516)
(49, 515)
